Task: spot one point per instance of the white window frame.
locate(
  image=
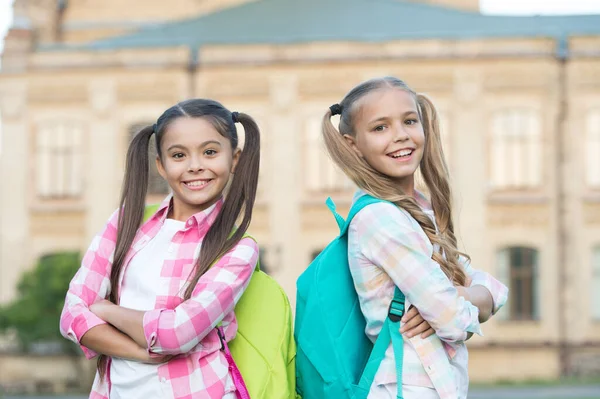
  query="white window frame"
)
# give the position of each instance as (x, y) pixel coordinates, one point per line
(59, 156)
(516, 149)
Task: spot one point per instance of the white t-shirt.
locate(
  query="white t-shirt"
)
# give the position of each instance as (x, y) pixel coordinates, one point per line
(134, 380)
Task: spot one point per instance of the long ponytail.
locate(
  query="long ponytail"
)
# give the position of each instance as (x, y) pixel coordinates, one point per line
(131, 213)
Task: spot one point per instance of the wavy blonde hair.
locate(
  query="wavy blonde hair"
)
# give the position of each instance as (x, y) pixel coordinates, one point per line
(433, 169)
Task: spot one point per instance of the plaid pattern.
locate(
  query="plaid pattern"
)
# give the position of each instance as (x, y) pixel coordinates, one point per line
(388, 248)
(175, 326)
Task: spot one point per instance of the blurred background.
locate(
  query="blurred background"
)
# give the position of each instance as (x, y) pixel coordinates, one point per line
(519, 98)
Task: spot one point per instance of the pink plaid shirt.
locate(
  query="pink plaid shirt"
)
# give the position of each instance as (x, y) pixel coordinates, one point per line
(175, 327)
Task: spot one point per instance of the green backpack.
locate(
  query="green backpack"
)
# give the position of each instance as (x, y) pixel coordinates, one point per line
(264, 348)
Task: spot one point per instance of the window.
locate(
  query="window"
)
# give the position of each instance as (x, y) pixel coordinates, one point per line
(156, 184)
(592, 148)
(516, 150)
(320, 172)
(518, 266)
(59, 172)
(595, 293)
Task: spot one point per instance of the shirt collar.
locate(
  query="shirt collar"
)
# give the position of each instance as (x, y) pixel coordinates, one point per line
(202, 220)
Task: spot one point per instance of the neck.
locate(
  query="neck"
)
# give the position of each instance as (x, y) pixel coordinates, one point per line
(407, 185)
(182, 211)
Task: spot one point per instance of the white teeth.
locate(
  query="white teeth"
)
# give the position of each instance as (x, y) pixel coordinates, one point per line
(402, 153)
(197, 183)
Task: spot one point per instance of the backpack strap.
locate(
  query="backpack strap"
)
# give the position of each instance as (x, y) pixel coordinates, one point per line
(356, 207)
(339, 219)
(389, 332)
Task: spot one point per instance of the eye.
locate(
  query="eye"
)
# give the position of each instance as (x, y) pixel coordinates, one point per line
(379, 128)
(178, 155)
(210, 152)
(411, 121)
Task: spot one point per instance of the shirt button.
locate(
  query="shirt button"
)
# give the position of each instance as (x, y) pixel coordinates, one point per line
(163, 380)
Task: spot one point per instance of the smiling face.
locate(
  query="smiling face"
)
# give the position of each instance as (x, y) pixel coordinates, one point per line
(197, 162)
(388, 134)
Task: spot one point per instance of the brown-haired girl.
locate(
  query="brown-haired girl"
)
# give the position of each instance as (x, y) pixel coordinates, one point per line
(171, 280)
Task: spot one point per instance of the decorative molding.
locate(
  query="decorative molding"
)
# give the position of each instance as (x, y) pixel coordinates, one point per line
(53, 93)
(238, 84)
(530, 215)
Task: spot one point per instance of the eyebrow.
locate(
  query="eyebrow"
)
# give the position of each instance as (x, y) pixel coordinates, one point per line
(201, 145)
(383, 118)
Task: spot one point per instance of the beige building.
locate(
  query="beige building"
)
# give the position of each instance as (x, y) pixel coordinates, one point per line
(520, 105)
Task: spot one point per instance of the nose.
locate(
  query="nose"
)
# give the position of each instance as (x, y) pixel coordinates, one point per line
(195, 165)
(400, 133)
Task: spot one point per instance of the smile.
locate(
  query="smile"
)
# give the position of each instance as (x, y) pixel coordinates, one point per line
(401, 154)
(197, 184)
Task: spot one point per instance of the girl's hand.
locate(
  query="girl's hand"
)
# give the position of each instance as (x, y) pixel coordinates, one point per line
(141, 355)
(155, 359)
(413, 324)
(100, 307)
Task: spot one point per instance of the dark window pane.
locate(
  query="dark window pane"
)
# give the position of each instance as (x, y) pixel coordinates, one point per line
(522, 279)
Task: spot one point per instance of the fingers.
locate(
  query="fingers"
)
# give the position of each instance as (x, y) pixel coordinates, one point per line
(428, 333)
(421, 328)
(160, 360)
(412, 323)
(412, 312)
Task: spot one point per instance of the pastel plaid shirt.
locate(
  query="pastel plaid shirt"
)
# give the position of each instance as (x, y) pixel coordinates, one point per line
(388, 248)
(175, 327)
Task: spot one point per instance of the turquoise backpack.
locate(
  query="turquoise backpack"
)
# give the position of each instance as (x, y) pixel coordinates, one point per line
(335, 359)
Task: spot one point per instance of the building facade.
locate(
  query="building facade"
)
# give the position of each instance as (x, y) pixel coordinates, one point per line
(519, 100)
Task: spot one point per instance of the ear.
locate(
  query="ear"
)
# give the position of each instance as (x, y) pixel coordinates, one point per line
(352, 143)
(160, 168)
(236, 159)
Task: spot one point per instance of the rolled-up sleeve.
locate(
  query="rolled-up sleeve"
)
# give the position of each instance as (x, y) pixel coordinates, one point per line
(90, 284)
(179, 330)
(394, 241)
(498, 290)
